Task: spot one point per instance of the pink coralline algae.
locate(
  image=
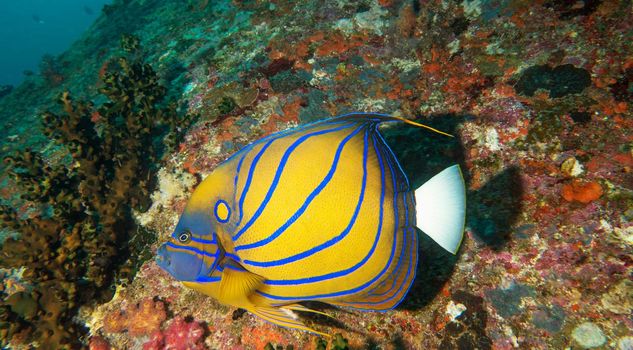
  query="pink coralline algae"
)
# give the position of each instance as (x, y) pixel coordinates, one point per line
(179, 335)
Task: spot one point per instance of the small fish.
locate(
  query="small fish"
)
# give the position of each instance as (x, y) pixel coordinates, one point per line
(321, 212)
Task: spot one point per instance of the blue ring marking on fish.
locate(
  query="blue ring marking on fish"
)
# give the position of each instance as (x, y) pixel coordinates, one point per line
(333, 240)
(246, 150)
(408, 225)
(249, 179)
(351, 304)
(388, 159)
(412, 267)
(406, 178)
(272, 137)
(328, 121)
(208, 279)
(394, 272)
(192, 249)
(348, 270)
(228, 208)
(233, 256)
(413, 245)
(402, 296)
(268, 139)
(303, 208)
(405, 200)
(391, 159)
(203, 241)
(414, 264)
(280, 168)
(234, 268)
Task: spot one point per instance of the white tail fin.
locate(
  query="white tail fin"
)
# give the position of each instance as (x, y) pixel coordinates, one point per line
(441, 208)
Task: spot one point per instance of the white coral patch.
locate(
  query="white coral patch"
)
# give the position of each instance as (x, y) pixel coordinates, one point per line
(406, 65)
(319, 77)
(371, 21)
(472, 9)
(171, 187)
(373, 105)
(454, 310)
(491, 139)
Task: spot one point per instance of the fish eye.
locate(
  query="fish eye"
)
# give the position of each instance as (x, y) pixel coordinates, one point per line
(184, 237)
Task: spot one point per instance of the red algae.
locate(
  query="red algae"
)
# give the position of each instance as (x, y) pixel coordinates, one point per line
(580, 191)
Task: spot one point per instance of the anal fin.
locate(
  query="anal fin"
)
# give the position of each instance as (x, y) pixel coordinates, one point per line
(299, 307)
(284, 317)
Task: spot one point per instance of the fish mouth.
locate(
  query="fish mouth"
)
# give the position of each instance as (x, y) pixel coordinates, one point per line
(162, 259)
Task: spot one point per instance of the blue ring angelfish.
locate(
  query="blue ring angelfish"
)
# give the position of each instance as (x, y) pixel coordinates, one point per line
(222, 211)
(323, 212)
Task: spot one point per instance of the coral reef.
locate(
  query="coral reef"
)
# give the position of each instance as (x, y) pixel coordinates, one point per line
(537, 95)
(81, 232)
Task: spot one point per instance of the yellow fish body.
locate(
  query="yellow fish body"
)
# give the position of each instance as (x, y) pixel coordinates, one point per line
(321, 212)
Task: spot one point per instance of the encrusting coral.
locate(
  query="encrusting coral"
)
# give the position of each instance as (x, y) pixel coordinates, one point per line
(142, 319)
(78, 240)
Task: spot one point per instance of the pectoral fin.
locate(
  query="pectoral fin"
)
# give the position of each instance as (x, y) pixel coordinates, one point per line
(238, 284)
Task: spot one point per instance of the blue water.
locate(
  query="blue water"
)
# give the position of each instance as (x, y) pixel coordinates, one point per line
(31, 28)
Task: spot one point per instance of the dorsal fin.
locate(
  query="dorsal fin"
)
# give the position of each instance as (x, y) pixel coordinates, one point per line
(381, 117)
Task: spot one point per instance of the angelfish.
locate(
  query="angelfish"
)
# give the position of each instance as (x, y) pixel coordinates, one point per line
(320, 212)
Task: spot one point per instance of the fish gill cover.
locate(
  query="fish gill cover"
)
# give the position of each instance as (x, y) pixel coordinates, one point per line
(535, 93)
